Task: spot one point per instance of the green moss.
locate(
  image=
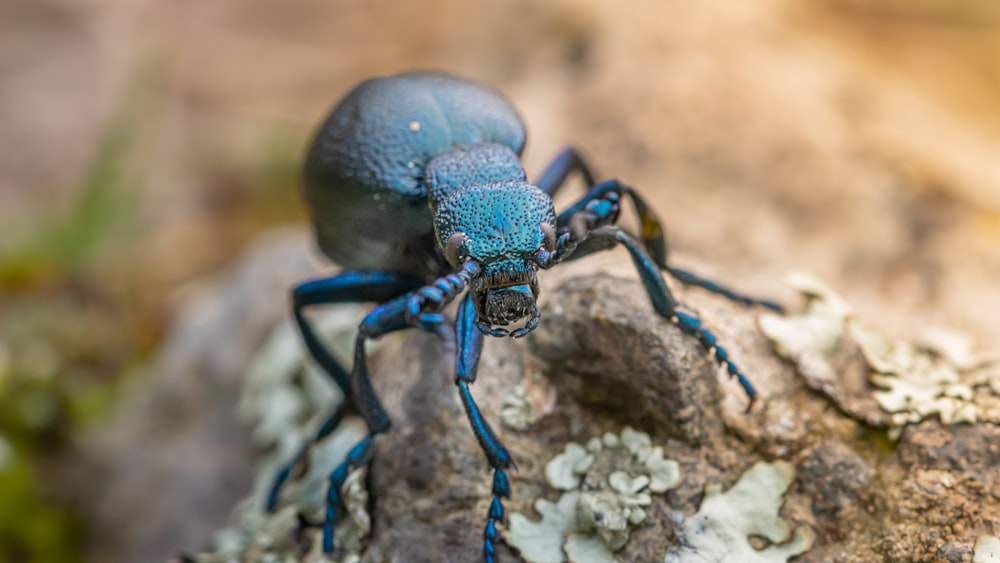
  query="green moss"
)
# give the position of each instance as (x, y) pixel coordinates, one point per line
(30, 529)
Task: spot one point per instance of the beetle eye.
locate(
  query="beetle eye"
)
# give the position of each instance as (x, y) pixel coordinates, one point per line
(453, 249)
(549, 242)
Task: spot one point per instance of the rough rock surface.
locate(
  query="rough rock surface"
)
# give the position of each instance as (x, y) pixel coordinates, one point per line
(601, 360)
(856, 140)
(613, 363)
(168, 467)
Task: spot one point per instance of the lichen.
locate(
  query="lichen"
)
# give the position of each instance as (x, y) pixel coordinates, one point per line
(987, 550)
(606, 485)
(542, 542)
(934, 374)
(528, 401)
(720, 531)
(926, 376)
(566, 470)
(285, 398)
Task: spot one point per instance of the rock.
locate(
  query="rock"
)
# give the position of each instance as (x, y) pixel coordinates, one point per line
(166, 470)
(833, 476)
(605, 361)
(612, 353)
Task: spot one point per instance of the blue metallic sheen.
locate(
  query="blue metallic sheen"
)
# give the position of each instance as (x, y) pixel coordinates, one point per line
(415, 185)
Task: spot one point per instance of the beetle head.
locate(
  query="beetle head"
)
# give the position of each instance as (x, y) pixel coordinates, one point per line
(505, 293)
(501, 227)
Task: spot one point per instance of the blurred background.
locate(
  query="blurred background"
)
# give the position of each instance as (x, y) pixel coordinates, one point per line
(144, 146)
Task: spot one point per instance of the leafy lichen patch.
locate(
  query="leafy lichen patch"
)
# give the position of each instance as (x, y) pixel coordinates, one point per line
(285, 398)
(542, 542)
(528, 401)
(587, 549)
(606, 484)
(567, 469)
(933, 374)
(720, 531)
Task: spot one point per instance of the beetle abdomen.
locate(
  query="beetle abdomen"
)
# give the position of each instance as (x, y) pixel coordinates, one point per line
(364, 175)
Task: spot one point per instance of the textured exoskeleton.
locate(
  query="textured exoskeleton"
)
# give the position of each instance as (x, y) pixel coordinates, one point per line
(416, 189)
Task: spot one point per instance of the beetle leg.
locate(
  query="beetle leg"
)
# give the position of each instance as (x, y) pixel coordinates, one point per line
(600, 207)
(391, 317)
(347, 287)
(651, 233)
(470, 344)
(328, 426)
(559, 169)
(688, 278)
(665, 304)
(663, 300)
(417, 309)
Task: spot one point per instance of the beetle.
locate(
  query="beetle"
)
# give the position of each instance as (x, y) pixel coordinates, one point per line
(415, 187)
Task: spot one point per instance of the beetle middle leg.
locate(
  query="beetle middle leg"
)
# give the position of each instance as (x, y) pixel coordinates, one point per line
(651, 231)
(347, 287)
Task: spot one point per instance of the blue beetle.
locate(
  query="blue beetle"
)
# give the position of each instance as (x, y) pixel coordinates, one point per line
(415, 187)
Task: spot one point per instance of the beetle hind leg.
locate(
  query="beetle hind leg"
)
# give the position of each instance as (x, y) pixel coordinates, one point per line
(567, 161)
(329, 425)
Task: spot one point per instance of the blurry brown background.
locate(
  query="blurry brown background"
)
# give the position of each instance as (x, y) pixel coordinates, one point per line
(145, 143)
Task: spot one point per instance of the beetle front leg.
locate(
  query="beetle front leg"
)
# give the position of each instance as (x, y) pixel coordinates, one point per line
(418, 309)
(470, 345)
(665, 304)
(606, 237)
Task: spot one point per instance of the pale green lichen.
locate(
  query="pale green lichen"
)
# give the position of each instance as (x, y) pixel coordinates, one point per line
(284, 400)
(542, 542)
(987, 550)
(528, 401)
(566, 470)
(517, 412)
(934, 374)
(817, 329)
(606, 486)
(587, 549)
(931, 375)
(720, 531)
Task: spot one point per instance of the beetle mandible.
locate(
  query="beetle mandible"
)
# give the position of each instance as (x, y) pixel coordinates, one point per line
(415, 187)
